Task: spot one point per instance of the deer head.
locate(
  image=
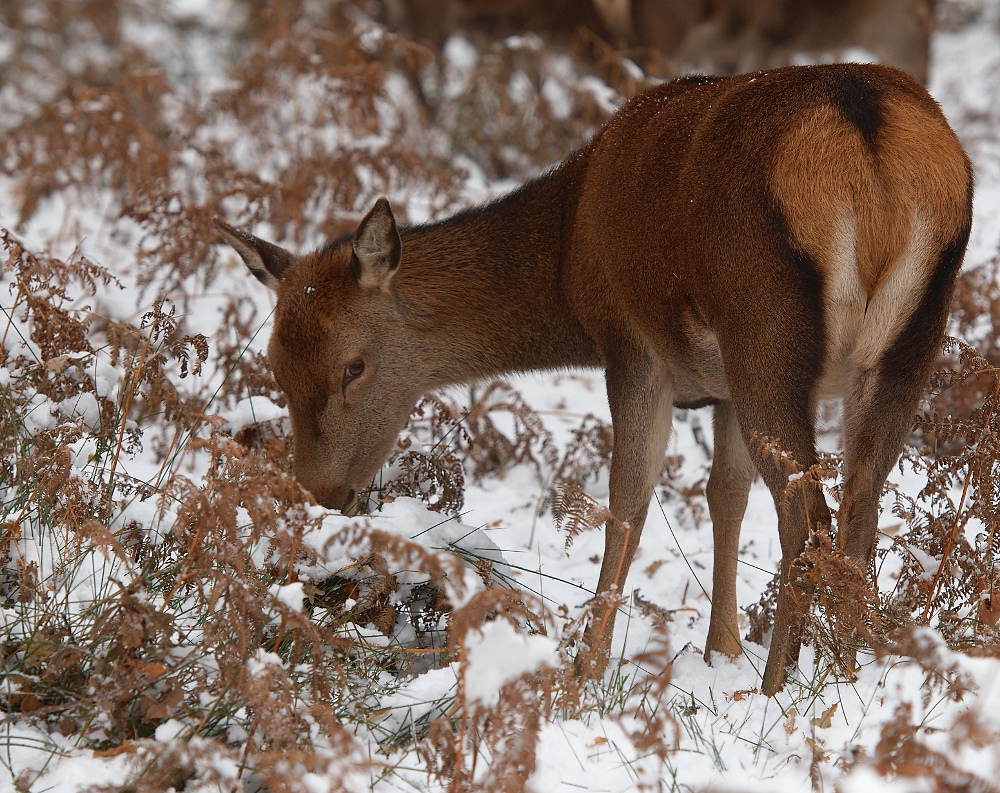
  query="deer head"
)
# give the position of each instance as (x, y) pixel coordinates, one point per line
(340, 350)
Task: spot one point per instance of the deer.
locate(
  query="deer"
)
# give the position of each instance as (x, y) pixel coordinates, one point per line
(756, 243)
(740, 35)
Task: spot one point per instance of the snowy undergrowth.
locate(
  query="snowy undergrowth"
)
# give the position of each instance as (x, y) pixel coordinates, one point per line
(176, 613)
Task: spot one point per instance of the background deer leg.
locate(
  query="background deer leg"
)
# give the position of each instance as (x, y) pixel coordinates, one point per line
(641, 403)
(727, 491)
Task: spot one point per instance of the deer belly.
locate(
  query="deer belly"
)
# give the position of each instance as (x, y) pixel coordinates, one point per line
(697, 372)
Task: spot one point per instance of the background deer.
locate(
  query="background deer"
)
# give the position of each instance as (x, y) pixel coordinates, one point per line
(718, 36)
(756, 243)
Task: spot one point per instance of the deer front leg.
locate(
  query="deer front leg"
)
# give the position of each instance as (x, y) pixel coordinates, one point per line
(640, 397)
(728, 489)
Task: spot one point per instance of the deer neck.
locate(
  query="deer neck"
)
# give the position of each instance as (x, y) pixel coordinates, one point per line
(483, 290)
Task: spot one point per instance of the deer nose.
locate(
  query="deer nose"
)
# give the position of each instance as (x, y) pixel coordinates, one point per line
(351, 504)
(342, 498)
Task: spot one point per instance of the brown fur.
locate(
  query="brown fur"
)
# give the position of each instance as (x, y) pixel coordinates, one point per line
(885, 191)
(755, 242)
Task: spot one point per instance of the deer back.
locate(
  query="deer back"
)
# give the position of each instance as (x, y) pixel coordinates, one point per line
(804, 201)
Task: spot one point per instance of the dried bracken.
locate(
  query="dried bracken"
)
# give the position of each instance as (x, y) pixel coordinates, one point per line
(206, 597)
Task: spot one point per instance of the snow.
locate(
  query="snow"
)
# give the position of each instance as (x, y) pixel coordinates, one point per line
(290, 595)
(729, 736)
(84, 772)
(461, 57)
(169, 730)
(425, 696)
(557, 96)
(251, 411)
(608, 98)
(498, 654)
(573, 756)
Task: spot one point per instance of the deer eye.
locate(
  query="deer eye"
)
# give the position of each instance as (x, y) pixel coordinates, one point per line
(353, 371)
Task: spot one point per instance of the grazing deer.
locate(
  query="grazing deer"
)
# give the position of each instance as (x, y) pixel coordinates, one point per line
(756, 243)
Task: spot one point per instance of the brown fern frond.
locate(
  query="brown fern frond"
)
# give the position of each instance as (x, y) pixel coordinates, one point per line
(575, 512)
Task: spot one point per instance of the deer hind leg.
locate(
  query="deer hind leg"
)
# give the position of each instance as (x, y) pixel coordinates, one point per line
(878, 412)
(801, 510)
(879, 409)
(878, 415)
(776, 414)
(641, 403)
(728, 490)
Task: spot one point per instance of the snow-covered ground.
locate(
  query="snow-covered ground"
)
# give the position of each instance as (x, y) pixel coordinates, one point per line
(728, 737)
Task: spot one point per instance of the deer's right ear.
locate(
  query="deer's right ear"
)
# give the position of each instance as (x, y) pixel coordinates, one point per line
(266, 261)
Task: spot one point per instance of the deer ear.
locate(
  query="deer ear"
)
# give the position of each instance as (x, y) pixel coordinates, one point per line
(376, 248)
(266, 261)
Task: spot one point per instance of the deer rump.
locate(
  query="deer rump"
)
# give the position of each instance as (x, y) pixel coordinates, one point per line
(757, 243)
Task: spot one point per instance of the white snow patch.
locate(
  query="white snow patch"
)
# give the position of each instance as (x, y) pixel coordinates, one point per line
(498, 654)
(461, 58)
(251, 411)
(290, 595)
(261, 660)
(424, 697)
(558, 97)
(169, 730)
(595, 756)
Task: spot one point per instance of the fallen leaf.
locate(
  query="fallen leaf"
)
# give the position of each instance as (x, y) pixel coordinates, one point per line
(654, 567)
(989, 611)
(826, 720)
(126, 748)
(29, 703)
(790, 721)
(817, 749)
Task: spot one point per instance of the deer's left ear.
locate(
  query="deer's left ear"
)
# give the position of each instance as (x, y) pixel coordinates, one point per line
(266, 261)
(376, 248)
